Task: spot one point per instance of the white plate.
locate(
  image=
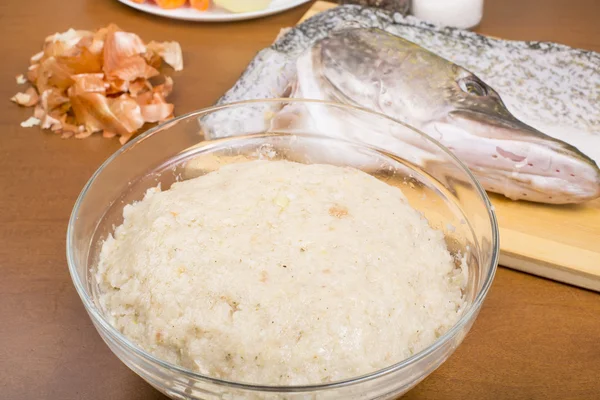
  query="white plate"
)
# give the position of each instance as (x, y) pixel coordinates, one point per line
(213, 13)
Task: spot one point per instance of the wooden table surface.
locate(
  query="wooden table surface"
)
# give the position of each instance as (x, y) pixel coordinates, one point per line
(534, 339)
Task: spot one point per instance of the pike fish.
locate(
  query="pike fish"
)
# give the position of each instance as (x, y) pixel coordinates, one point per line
(519, 140)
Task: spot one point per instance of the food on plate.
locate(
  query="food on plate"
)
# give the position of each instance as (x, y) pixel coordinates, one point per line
(168, 4)
(242, 6)
(234, 6)
(279, 273)
(201, 5)
(549, 154)
(105, 81)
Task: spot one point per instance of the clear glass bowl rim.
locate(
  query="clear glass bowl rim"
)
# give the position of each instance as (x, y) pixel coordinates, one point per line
(97, 316)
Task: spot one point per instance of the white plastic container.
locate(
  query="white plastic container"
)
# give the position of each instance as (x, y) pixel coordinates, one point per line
(463, 14)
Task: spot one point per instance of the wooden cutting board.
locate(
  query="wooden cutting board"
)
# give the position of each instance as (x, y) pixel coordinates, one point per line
(556, 242)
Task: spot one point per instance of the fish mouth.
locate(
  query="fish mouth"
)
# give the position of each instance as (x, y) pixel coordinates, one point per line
(513, 158)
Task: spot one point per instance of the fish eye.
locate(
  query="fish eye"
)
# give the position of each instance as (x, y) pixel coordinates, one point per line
(473, 87)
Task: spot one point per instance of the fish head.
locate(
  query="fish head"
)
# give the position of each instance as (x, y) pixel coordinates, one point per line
(377, 70)
(507, 155)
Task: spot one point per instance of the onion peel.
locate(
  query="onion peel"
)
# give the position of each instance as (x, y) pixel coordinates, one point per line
(85, 82)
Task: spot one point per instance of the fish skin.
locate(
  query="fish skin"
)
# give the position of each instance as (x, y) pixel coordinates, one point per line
(259, 81)
(270, 73)
(383, 72)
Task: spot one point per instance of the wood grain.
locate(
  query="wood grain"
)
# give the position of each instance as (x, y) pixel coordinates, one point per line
(534, 338)
(556, 242)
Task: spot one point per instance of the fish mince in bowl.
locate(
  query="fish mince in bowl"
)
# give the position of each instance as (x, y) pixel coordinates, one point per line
(259, 265)
(272, 272)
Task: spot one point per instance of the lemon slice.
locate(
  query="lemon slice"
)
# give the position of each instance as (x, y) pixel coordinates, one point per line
(241, 6)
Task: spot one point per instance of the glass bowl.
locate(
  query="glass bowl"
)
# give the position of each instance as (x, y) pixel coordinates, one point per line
(435, 182)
